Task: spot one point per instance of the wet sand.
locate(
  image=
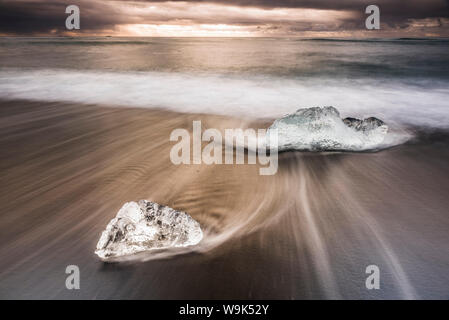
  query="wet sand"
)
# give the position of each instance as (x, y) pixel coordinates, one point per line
(307, 232)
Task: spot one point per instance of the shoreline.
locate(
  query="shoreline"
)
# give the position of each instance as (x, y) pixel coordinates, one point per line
(307, 232)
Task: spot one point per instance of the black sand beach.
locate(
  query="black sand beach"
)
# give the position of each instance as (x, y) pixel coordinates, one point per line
(307, 232)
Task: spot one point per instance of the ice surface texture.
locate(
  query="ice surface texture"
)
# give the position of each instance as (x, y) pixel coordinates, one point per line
(145, 225)
(322, 129)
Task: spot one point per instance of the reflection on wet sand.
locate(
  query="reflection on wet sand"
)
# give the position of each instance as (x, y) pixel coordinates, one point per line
(307, 232)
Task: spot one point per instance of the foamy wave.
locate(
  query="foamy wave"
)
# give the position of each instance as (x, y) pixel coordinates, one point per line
(251, 96)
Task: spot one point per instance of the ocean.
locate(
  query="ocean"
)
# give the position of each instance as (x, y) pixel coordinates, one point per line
(400, 80)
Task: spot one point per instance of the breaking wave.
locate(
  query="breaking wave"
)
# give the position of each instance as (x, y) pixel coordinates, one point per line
(414, 102)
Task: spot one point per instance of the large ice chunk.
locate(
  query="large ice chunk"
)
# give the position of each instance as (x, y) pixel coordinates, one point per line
(145, 225)
(322, 129)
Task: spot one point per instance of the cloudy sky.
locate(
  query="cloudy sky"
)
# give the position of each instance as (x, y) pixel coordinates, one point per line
(301, 18)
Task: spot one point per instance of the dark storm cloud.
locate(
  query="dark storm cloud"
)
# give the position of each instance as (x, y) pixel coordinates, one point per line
(48, 16)
(392, 10)
(393, 5)
(29, 17)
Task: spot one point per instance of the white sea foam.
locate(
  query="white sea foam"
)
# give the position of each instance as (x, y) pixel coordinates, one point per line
(250, 96)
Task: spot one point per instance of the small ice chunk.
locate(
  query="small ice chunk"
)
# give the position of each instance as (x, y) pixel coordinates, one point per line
(145, 225)
(322, 129)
